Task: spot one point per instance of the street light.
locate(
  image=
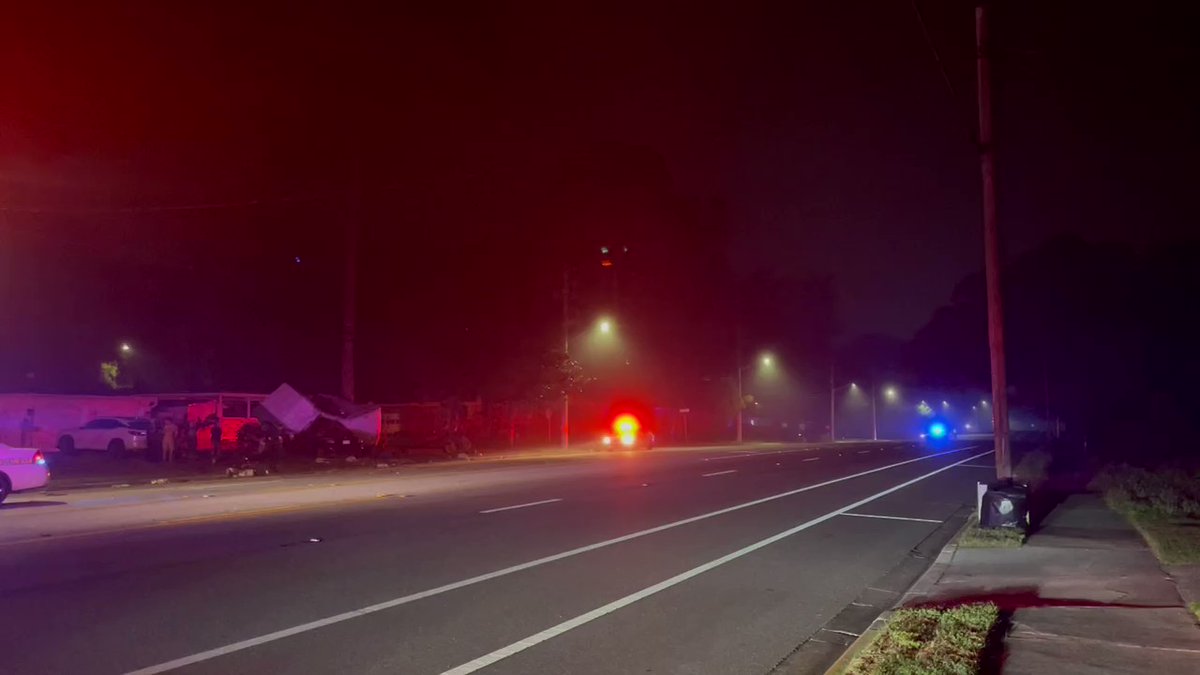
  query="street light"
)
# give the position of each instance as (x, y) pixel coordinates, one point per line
(833, 390)
(891, 394)
(604, 326)
(764, 361)
(126, 347)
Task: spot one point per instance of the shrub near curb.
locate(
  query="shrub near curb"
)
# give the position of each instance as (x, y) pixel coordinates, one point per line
(930, 641)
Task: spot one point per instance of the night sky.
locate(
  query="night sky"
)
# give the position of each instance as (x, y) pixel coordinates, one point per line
(184, 158)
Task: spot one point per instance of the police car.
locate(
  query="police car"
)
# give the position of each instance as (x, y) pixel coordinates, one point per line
(21, 469)
(627, 434)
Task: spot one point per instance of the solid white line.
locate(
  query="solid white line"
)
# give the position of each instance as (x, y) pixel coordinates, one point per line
(872, 515)
(206, 655)
(554, 631)
(811, 459)
(521, 506)
(717, 473)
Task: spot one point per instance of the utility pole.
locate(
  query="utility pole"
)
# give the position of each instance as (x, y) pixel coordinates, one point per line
(991, 246)
(874, 419)
(350, 300)
(566, 415)
(832, 406)
(741, 398)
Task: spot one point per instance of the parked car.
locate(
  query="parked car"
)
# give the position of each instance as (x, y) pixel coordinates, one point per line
(117, 435)
(21, 469)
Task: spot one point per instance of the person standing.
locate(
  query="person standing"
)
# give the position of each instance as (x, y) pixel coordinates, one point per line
(215, 435)
(185, 439)
(27, 428)
(169, 433)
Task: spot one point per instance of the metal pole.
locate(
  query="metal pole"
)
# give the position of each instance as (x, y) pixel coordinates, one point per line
(566, 420)
(832, 407)
(741, 403)
(991, 248)
(874, 419)
(350, 302)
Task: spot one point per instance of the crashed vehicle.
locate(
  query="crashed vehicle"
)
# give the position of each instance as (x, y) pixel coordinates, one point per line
(319, 425)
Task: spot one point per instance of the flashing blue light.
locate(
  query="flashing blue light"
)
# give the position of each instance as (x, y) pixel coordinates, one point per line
(937, 430)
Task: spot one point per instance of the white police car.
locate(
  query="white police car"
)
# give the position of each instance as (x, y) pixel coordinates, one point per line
(21, 469)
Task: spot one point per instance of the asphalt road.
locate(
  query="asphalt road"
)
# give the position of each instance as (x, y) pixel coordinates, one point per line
(704, 561)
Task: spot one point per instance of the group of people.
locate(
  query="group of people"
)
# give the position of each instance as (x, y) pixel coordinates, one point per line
(183, 436)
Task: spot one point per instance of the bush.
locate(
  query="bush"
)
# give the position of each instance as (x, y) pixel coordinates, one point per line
(1033, 468)
(1171, 493)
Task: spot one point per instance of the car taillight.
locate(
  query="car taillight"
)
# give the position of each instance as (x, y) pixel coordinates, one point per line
(39, 458)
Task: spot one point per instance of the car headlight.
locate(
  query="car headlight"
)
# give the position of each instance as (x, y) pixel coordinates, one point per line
(607, 440)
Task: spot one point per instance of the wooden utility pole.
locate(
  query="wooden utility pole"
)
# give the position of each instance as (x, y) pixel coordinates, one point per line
(991, 247)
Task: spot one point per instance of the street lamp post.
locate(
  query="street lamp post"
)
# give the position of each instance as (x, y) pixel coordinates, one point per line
(764, 361)
(566, 415)
(832, 407)
(833, 390)
(874, 419)
(741, 399)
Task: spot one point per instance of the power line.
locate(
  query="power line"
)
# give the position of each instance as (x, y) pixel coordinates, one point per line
(937, 57)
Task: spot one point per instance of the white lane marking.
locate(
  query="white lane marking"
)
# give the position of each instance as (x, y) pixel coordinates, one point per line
(756, 453)
(874, 515)
(863, 452)
(521, 506)
(209, 654)
(978, 466)
(717, 473)
(811, 459)
(570, 624)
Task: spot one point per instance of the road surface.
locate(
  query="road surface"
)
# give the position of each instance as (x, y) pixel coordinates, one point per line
(715, 560)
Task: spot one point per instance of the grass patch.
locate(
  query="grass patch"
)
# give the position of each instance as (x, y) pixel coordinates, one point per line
(975, 537)
(1163, 505)
(1194, 608)
(930, 641)
(1176, 541)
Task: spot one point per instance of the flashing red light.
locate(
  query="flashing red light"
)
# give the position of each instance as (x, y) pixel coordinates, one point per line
(39, 458)
(626, 428)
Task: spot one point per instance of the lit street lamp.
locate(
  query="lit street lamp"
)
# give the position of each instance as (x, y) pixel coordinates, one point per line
(833, 390)
(605, 327)
(764, 361)
(126, 348)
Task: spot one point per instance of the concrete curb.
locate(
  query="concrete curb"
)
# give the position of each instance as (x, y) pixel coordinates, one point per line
(921, 587)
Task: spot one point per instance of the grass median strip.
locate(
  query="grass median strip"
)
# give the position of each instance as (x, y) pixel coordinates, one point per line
(930, 641)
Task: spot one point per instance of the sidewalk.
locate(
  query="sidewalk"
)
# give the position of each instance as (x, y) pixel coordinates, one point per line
(1084, 595)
